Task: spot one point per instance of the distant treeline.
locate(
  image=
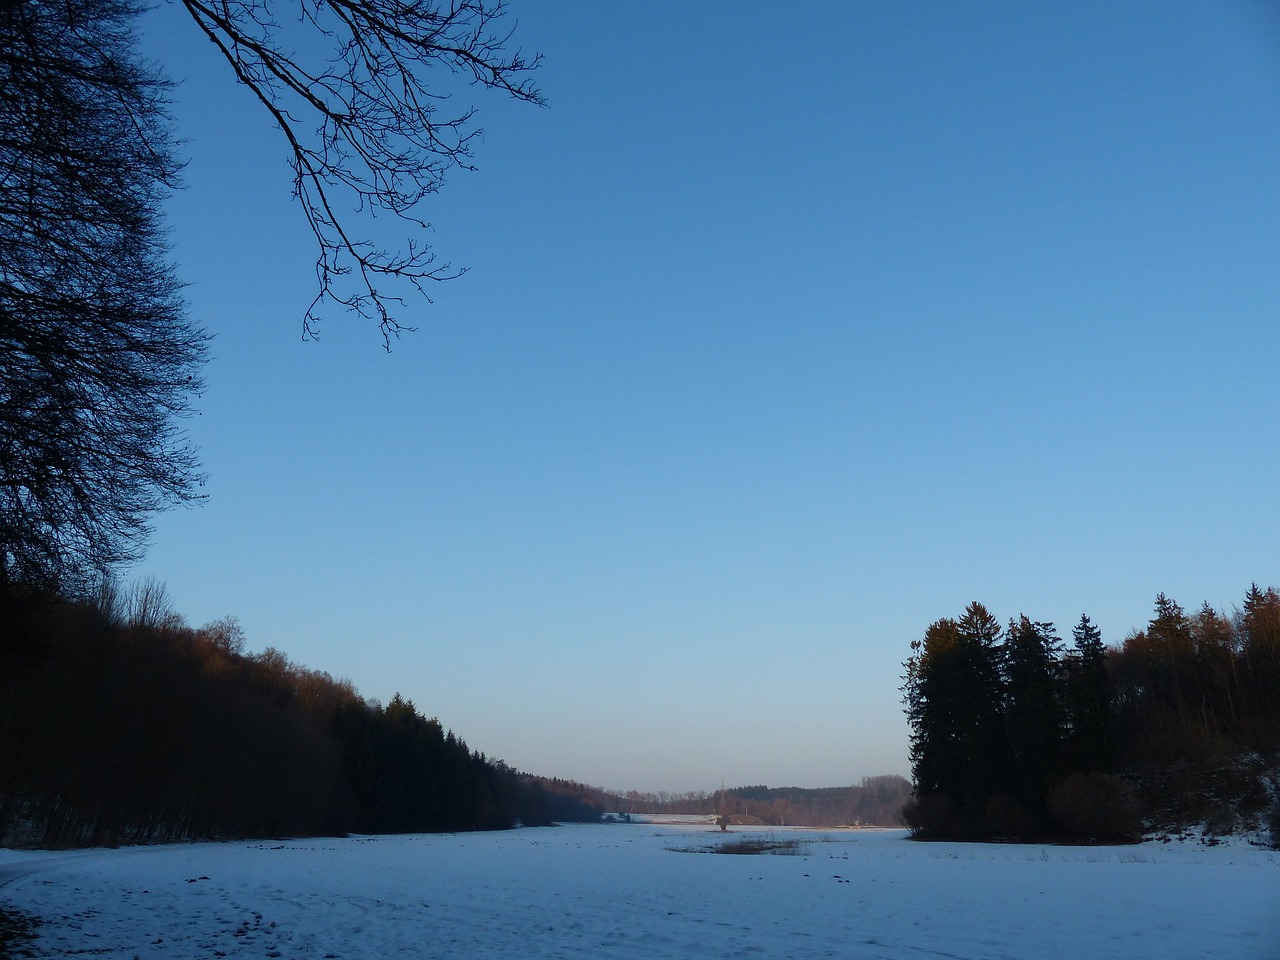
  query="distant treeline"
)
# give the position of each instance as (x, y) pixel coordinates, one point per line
(878, 801)
(118, 723)
(1014, 736)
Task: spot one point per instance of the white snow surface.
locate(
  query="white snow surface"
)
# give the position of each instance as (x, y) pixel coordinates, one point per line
(623, 891)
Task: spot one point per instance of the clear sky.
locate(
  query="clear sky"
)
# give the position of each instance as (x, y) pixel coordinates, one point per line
(788, 330)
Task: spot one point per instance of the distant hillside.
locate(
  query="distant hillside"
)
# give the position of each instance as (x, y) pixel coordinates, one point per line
(876, 801)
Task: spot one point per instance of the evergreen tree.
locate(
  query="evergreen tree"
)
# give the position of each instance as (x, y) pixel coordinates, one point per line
(928, 707)
(1088, 695)
(1033, 714)
(1259, 626)
(953, 697)
(1215, 662)
(1172, 651)
(983, 661)
(1178, 726)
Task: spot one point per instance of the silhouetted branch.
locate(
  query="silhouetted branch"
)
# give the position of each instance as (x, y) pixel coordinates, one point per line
(366, 131)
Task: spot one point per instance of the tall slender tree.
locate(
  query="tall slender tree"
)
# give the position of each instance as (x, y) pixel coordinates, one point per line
(1033, 714)
(1259, 626)
(929, 694)
(1215, 661)
(1088, 701)
(954, 699)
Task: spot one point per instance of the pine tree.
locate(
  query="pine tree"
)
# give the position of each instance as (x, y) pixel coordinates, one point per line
(1088, 693)
(1033, 714)
(1216, 679)
(929, 699)
(1259, 626)
(1172, 657)
(989, 755)
(953, 697)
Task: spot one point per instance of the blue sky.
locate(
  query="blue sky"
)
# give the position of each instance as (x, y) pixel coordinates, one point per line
(786, 332)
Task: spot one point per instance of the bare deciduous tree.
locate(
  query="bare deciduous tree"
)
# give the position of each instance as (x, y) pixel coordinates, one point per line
(98, 360)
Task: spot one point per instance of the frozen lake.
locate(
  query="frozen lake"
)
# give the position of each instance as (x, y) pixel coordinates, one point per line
(622, 891)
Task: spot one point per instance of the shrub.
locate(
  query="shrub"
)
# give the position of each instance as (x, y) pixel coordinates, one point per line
(1221, 820)
(753, 845)
(1273, 823)
(1097, 808)
(932, 816)
(1005, 819)
(1271, 814)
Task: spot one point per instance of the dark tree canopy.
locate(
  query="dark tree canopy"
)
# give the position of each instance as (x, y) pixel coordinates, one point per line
(97, 357)
(1180, 725)
(368, 123)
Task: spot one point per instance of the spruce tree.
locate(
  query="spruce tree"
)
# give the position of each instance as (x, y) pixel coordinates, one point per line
(1171, 656)
(1033, 713)
(1088, 691)
(985, 699)
(930, 699)
(953, 696)
(1259, 626)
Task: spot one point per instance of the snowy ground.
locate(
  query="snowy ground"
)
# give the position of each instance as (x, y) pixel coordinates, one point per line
(621, 891)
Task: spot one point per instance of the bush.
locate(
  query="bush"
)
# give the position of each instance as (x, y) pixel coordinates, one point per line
(1005, 819)
(1273, 823)
(1096, 808)
(1271, 815)
(1221, 820)
(933, 817)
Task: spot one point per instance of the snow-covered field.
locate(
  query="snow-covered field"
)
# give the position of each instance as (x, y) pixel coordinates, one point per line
(621, 891)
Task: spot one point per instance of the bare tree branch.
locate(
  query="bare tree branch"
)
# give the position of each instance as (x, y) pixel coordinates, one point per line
(366, 130)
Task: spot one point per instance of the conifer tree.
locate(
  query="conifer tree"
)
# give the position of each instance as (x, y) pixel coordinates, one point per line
(1215, 672)
(1259, 626)
(1171, 656)
(929, 694)
(1089, 701)
(1033, 714)
(953, 696)
(985, 697)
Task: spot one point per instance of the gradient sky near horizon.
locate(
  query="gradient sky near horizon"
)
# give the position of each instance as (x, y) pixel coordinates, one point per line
(787, 331)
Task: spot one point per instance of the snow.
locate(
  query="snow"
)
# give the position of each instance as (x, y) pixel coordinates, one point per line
(622, 891)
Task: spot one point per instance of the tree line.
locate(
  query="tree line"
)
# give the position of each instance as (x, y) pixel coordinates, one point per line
(876, 801)
(119, 724)
(1016, 735)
